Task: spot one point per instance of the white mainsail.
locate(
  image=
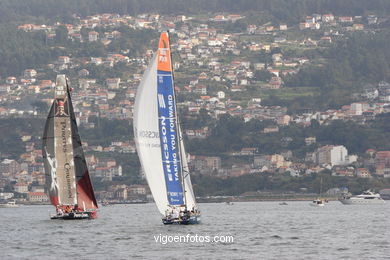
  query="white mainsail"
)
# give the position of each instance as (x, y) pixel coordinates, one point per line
(146, 132)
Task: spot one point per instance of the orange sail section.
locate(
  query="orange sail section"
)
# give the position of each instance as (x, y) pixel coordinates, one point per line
(164, 53)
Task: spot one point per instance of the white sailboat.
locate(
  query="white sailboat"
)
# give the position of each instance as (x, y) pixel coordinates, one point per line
(159, 141)
(319, 202)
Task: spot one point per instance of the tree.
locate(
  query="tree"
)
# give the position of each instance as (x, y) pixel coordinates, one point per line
(40, 106)
(263, 75)
(61, 35)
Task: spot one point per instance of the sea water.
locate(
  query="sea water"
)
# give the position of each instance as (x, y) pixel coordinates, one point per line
(248, 230)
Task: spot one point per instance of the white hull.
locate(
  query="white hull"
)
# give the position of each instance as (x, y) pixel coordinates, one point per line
(10, 204)
(362, 201)
(366, 198)
(317, 205)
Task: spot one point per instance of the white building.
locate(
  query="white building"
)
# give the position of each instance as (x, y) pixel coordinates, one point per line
(221, 94)
(93, 36)
(332, 155)
(29, 73)
(357, 109)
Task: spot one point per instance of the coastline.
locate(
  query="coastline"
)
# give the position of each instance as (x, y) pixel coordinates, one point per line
(273, 197)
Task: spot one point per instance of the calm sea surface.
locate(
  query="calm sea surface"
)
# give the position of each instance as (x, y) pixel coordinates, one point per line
(261, 230)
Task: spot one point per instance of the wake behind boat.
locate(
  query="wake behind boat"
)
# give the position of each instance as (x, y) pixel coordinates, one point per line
(367, 197)
(159, 141)
(67, 177)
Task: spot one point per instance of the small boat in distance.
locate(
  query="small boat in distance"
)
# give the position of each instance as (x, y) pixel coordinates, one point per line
(318, 202)
(105, 203)
(159, 141)
(283, 203)
(367, 197)
(67, 178)
(9, 204)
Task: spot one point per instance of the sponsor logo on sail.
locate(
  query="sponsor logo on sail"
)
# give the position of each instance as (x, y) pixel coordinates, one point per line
(63, 136)
(148, 134)
(67, 168)
(161, 101)
(169, 142)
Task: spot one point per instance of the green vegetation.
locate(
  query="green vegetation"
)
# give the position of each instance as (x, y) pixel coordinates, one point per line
(25, 50)
(107, 131)
(11, 131)
(232, 134)
(279, 10)
(350, 64)
(228, 134)
(21, 50)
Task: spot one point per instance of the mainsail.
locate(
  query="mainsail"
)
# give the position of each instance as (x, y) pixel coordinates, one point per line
(67, 177)
(157, 134)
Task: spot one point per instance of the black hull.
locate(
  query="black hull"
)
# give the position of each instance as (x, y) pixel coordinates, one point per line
(188, 221)
(75, 216)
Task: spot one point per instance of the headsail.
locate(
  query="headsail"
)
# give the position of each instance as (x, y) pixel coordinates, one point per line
(147, 137)
(85, 194)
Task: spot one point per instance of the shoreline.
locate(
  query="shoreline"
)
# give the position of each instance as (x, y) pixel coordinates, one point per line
(217, 199)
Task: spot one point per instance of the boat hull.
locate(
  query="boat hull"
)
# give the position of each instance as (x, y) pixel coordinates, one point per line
(178, 221)
(317, 205)
(75, 215)
(9, 206)
(362, 201)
